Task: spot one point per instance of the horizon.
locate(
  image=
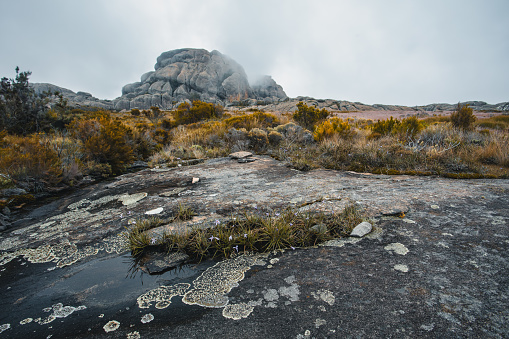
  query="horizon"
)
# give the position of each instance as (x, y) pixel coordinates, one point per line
(392, 53)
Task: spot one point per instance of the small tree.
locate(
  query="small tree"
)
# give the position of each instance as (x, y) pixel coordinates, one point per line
(21, 110)
(463, 117)
(309, 116)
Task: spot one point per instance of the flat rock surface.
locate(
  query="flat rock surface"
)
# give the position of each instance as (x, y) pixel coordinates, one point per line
(439, 271)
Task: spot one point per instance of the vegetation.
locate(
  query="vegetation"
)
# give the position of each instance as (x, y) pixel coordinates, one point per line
(46, 144)
(249, 233)
(309, 116)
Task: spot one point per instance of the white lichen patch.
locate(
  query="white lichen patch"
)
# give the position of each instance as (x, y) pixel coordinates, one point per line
(320, 322)
(341, 242)
(4, 327)
(408, 221)
(324, 295)
(111, 326)
(401, 268)
(154, 211)
(127, 199)
(397, 247)
(237, 311)
(213, 285)
(162, 295)
(133, 335)
(26, 321)
(270, 295)
(59, 311)
(147, 318)
(435, 207)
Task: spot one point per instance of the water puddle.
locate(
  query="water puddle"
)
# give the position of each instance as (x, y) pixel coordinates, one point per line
(84, 297)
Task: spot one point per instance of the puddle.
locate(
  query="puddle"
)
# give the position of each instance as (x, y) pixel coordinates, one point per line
(100, 290)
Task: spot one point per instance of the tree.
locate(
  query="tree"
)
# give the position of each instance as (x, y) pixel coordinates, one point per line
(21, 109)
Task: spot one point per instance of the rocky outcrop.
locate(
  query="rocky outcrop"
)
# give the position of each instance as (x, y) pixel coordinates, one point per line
(195, 74)
(80, 99)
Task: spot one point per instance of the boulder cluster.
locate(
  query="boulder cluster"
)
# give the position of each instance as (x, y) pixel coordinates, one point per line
(185, 74)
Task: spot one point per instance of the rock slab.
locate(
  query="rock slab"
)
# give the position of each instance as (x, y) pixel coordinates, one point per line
(361, 230)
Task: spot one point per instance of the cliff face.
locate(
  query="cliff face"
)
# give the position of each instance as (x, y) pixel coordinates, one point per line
(195, 74)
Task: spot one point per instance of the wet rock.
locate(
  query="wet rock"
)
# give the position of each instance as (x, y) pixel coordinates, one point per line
(157, 262)
(245, 160)
(361, 230)
(241, 155)
(137, 165)
(9, 192)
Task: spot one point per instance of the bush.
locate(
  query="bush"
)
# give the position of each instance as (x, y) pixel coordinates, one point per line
(334, 126)
(104, 141)
(258, 139)
(409, 127)
(309, 116)
(255, 120)
(22, 112)
(385, 127)
(463, 118)
(198, 111)
(30, 159)
(275, 138)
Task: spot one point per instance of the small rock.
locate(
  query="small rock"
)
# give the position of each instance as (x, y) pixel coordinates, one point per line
(361, 230)
(243, 161)
(9, 192)
(6, 211)
(320, 228)
(154, 211)
(241, 155)
(195, 180)
(138, 165)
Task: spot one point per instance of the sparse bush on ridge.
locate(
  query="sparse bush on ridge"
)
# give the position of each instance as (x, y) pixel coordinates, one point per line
(309, 116)
(463, 117)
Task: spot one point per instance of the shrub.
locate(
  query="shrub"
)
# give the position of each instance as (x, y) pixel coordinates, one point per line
(463, 118)
(334, 126)
(21, 110)
(309, 116)
(135, 112)
(30, 159)
(104, 141)
(385, 127)
(255, 120)
(258, 139)
(409, 127)
(274, 138)
(295, 133)
(197, 111)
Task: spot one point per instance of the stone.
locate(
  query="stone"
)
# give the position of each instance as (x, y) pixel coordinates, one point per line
(245, 160)
(241, 155)
(9, 192)
(320, 228)
(361, 230)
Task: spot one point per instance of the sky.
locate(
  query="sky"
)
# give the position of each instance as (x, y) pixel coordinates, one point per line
(402, 52)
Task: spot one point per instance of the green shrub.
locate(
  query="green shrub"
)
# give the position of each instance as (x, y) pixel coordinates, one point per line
(463, 118)
(135, 112)
(309, 116)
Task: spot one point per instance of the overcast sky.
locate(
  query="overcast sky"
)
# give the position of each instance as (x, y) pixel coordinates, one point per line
(407, 52)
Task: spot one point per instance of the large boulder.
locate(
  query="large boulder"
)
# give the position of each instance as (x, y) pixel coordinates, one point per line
(195, 73)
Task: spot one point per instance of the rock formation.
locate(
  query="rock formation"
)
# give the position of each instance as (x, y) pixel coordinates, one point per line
(195, 73)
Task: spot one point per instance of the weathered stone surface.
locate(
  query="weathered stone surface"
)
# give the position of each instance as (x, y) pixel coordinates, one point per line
(185, 73)
(361, 230)
(241, 155)
(439, 268)
(9, 192)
